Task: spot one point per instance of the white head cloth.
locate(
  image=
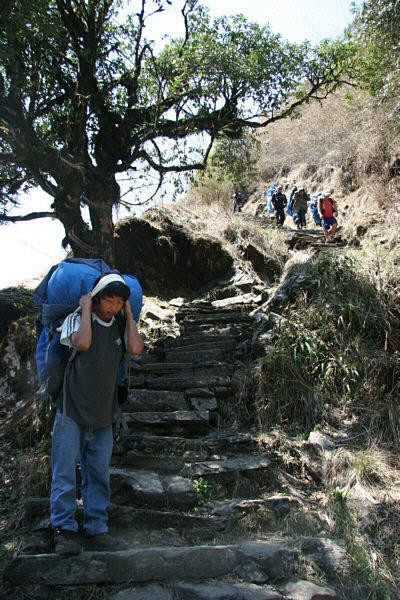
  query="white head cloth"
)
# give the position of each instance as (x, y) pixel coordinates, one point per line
(104, 281)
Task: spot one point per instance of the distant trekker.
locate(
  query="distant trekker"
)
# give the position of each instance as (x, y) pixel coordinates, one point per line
(279, 202)
(299, 208)
(238, 199)
(327, 209)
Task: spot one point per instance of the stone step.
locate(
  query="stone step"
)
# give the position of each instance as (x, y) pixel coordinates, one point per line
(266, 559)
(221, 591)
(200, 526)
(280, 505)
(159, 463)
(237, 464)
(186, 418)
(211, 516)
(193, 371)
(147, 488)
(198, 340)
(208, 591)
(175, 367)
(128, 517)
(158, 400)
(216, 317)
(204, 446)
(234, 302)
(197, 357)
(214, 307)
(214, 344)
(217, 329)
(179, 383)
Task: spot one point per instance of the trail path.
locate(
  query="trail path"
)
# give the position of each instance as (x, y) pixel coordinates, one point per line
(183, 486)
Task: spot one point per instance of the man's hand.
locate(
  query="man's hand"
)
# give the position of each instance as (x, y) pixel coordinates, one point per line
(86, 302)
(127, 309)
(134, 342)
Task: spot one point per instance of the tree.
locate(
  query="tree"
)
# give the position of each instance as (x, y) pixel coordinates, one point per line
(377, 31)
(85, 98)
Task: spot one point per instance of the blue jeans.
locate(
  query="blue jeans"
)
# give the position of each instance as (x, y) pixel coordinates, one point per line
(300, 217)
(92, 448)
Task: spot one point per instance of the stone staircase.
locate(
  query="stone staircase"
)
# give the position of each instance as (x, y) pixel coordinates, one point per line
(181, 484)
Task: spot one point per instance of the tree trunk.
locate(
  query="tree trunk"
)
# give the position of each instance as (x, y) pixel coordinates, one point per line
(97, 239)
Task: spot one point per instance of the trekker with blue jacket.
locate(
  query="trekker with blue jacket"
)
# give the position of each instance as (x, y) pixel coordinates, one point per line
(82, 431)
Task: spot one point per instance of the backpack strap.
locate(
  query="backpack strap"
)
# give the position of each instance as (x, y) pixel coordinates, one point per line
(121, 322)
(120, 420)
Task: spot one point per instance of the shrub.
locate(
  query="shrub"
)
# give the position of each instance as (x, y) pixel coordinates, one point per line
(332, 350)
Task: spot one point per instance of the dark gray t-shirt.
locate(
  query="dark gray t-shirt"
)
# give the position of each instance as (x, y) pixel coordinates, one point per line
(91, 378)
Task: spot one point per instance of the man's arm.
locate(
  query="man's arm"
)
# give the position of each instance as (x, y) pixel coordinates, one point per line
(134, 343)
(82, 338)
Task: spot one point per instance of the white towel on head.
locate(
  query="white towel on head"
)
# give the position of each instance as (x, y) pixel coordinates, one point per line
(104, 281)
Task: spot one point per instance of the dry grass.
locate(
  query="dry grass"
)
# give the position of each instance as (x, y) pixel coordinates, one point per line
(232, 230)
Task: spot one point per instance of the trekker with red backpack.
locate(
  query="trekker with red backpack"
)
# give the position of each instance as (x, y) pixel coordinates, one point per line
(327, 209)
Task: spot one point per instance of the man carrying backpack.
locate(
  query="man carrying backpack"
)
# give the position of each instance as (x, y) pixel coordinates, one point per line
(327, 209)
(299, 208)
(82, 430)
(279, 202)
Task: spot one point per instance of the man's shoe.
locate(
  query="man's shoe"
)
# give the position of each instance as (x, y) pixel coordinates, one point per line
(66, 542)
(103, 542)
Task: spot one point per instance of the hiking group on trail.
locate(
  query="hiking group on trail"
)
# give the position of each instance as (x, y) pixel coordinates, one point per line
(322, 206)
(96, 335)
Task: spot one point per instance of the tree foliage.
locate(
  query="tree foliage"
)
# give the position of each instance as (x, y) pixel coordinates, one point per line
(86, 98)
(377, 31)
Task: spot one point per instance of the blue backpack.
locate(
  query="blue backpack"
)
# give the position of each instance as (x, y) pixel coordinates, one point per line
(57, 296)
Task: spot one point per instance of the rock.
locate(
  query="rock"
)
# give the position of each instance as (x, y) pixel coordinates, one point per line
(170, 258)
(15, 302)
(328, 554)
(244, 282)
(305, 590)
(180, 491)
(178, 302)
(141, 486)
(147, 592)
(203, 403)
(155, 312)
(252, 572)
(223, 591)
(274, 559)
(322, 440)
(267, 268)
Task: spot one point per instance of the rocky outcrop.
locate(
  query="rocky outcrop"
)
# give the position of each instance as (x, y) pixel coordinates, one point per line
(15, 302)
(168, 259)
(17, 343)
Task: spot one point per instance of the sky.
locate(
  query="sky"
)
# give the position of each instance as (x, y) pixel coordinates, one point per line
(29, 249)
